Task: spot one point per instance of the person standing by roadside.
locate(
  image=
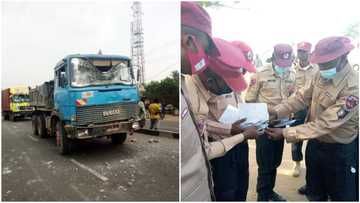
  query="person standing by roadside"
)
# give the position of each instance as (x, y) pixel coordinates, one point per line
(154, 110)
(142, 112)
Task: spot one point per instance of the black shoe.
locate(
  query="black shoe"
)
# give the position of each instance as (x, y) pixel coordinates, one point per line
(275, 197)
(302, 190)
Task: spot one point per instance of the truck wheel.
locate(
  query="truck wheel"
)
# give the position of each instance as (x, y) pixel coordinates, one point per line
(34, 124)
(6, 116)
(41, 126)
(62, 142)
(118, 138)
(12, 117)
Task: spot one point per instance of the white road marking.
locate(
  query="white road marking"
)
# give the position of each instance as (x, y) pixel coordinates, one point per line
(76, 189)
(33, 138)
(37, 174)
(98, 175)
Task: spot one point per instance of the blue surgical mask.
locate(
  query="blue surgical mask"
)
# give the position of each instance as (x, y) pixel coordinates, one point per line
(329, 73)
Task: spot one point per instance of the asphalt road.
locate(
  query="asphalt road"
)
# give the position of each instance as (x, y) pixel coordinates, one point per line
(285, 184)
(138, 170)
(168, 125)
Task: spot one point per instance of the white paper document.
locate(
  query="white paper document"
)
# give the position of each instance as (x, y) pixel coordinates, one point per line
(253, 112)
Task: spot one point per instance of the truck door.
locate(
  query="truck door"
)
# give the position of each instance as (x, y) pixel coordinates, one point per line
(61, 94)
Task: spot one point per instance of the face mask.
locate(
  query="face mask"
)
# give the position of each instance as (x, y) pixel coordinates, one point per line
(329, 73)
(198, 60)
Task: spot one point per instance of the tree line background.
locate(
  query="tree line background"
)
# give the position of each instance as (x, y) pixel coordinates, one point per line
(166, 90)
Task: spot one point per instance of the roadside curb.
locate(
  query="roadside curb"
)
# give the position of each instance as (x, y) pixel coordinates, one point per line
(162, 133)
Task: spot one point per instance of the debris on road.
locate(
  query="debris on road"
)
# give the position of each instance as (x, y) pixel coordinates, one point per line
(29, 182)
(6, 171)
(153, 140)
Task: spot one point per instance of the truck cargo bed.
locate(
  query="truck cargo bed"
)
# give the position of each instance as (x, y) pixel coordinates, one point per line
(5, 99)
(43, 96)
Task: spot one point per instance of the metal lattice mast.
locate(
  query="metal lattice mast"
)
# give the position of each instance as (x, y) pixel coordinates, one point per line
(137, 42)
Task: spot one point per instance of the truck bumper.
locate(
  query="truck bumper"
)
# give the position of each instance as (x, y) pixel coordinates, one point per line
(100, 130)
(22, 113)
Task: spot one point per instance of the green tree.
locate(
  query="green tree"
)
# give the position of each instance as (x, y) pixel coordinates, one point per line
(167, 90)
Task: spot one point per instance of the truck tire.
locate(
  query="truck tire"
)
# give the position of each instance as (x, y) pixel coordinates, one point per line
(12, 117)
(6, 116)
(119, 138)
(34, 124)
(63, 143)
(41, 126)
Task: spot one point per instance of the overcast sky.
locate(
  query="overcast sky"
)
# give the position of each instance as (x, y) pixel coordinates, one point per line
(262, 24)
(36, 35)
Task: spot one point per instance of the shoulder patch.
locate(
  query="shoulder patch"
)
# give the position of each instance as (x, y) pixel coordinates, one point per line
(351, 102)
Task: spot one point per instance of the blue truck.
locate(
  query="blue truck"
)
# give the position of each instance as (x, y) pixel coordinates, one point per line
(91, 96)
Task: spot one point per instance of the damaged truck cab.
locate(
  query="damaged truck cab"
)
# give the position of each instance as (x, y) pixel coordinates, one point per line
(90, 96)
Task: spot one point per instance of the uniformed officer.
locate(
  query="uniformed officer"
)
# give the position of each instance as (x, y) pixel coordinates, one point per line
(272, 85)
(197, 46)
(304, 74)
(220, 85)
(332, 125)
(196, 176)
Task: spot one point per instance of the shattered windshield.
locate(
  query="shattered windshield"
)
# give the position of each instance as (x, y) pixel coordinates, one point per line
(20, 98)
(86, 72)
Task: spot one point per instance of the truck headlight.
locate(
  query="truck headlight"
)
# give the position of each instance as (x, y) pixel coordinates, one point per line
(82, 133)
(135, 126)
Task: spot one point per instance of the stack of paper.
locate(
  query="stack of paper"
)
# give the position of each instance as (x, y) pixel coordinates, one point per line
(253, 112)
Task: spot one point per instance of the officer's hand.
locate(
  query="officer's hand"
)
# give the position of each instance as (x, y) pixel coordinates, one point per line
(250, 133)
(235, 128)
(274, 133)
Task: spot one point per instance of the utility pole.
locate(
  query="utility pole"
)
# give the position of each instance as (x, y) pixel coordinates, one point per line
(137, 42)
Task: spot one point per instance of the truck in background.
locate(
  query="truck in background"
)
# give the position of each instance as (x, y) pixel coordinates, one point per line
(15, 103)
(90, 96)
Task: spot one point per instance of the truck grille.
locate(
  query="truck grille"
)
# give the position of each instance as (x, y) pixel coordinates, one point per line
(26, 108)
(98, 114)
